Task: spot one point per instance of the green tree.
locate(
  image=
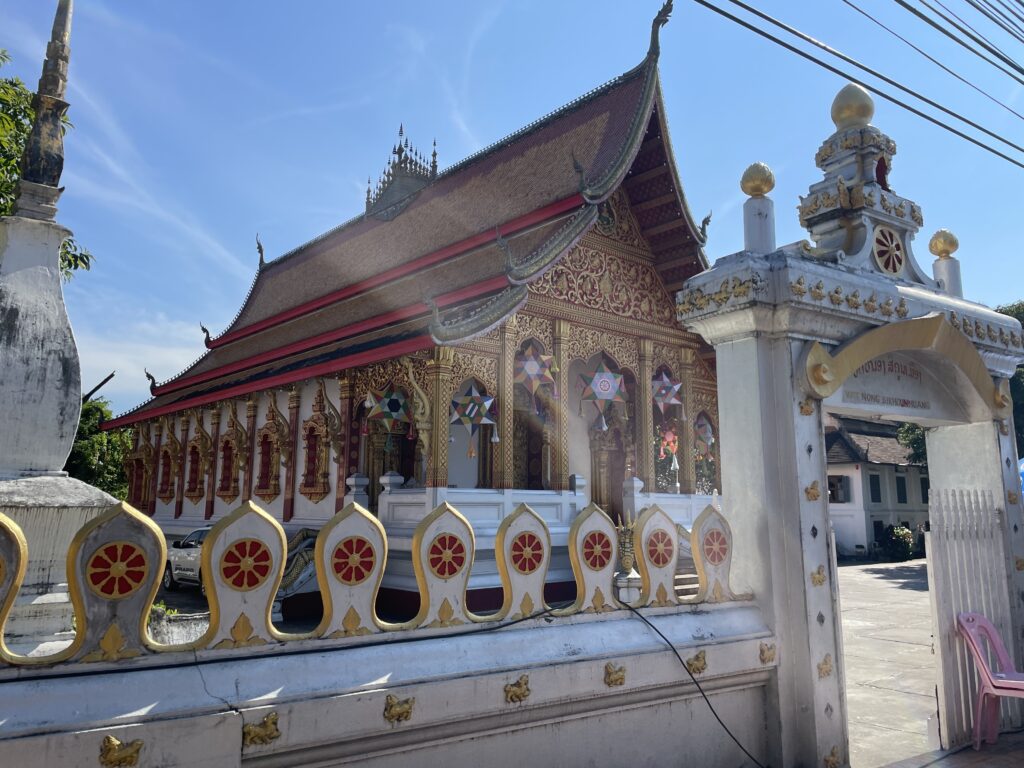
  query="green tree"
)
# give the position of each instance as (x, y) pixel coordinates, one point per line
(16, 115)
(912, 436)
(98, 457)
(1016, 310)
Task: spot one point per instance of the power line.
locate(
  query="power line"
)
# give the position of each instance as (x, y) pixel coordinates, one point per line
(935, 61)
(851, 78)
(1005, 21)
(1010, 10)
(873, 73)
(934, 24)
(975, 6)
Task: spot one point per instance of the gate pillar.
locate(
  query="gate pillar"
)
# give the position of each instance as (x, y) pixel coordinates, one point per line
(850, 324)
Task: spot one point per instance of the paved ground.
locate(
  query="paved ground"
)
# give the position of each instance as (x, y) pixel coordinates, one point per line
(890, 672)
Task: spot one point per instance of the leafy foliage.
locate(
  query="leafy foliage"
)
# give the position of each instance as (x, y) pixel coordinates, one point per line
(898, 542)
(16, 115)
(97, 457)
(1016, 310)
(912, 436)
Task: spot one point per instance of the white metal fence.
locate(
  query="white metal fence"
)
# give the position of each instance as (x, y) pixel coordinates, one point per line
(967, 571)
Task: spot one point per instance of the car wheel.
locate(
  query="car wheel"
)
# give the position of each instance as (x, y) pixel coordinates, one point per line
(170, 584)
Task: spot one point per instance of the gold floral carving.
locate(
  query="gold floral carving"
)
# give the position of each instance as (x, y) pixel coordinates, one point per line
(818, 576)
(113, 646)
(798, 288)
(522, 326)
(871, 305)
(172, 450)
(584, 342)
(886, 308)
(806, 407)
(115, 753)
(991, 333)
(238, 439)
(836, 296)
(610, 283)
(445, 617)
(968, 328)
(1012, 497)
(831, 760)
(853, 300)
(698, 663)
(812, 492)
(472, 365)
(242, 635)
(519, 691)
(351, 625)
(825, 667)
(1020, 563)
(277, 431)
(661, 598)
(915, 215)
(901, 308)
(200, 448)
(263, 732)
(766, 653)
(598, 604)
(615, 220)
(398, 710)
(614, 676)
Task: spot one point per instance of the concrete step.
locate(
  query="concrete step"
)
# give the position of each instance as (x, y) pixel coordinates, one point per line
(687, 584)
(38, 616)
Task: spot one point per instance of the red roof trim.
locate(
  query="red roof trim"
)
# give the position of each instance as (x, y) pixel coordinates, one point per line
(510, 227)
(404, 347)
(363, 326)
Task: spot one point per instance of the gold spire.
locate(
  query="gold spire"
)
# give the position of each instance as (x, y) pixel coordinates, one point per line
(853, 107)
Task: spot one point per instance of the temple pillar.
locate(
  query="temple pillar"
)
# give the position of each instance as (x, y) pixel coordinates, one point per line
(503, 457)
(250, 426)
(294, 398)
(211, 473)
(154, 472)
(688, 473)
(439, 372)
(560, 446)
(346, 454)
(179, 495)
(645, 415)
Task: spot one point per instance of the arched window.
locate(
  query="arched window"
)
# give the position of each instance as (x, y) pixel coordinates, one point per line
(668, 426)
(705, 454)
(309, 477)
(532, 425)
(137, 494)
(268, 479)
(194, 486)
(227, 466)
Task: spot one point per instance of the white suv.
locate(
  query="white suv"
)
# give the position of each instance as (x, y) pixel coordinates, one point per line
(183, 561)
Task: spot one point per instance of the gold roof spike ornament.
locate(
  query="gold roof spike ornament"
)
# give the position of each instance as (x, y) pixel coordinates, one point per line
(758, 180)
(943, 244)
(852, 107)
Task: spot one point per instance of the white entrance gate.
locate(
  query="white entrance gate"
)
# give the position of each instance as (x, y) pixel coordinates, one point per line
(967, 571)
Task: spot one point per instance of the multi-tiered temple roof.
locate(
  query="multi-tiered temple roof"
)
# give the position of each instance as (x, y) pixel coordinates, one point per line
(442, 257)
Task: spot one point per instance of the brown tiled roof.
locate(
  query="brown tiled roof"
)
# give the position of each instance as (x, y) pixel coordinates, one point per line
(541, 179)
(852, 440)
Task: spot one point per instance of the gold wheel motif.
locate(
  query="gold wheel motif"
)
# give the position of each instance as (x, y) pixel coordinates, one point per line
(527, 552)
(446, 555)
(353, 560)
(597, 550)
(660, 548)
(246, 564)
(116, 570)
(888, 251)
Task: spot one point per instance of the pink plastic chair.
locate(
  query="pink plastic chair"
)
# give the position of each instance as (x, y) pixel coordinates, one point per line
(993, 683)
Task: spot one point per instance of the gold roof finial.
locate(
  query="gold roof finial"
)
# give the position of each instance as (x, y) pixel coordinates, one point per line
(852, 107)
(758, 180)
(943, 244)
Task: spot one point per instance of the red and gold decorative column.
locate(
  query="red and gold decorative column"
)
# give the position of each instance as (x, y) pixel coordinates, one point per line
(250, 425)
(560, 448)
(439, 371)
(154, 474)
(348, 453)
(211, 473)
(645, 416)
(179, 496)
(294, 398)
(503, 458)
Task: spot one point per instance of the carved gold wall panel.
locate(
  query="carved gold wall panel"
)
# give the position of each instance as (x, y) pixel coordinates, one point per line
(584, 342)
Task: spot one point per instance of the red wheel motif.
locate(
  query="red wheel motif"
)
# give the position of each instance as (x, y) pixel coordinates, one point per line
(888, 251)
(353, 560)
(527, 552)
(660, 548)
(446, 555)
(246, 564)
(716, 546)
(597, 550)
(116, 570)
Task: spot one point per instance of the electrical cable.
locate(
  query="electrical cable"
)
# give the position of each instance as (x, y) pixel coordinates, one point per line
(935, 61)
(934, 24)
(707, 701)
(984, 12)
(1009, 9)
(977, 37)
(999, 17)
(873, 72)
(851, 78)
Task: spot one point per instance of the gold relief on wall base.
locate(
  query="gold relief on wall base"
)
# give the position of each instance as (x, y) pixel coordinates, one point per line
(1020, 563)
(698, 663)
(825, 667)
(519, 691)
(766, 652)
(818, 576)
(799, 288)
(614, 676)
(1012, 497)
(818, 291)
(812, 492)
(113, 647)
(831, 760)
(806, 407)
(351, 625)
(115, 753)
(398, 710)
(263, 732)
(242, 635)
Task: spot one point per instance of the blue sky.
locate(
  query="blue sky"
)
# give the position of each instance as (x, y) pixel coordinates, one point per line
(201, 123)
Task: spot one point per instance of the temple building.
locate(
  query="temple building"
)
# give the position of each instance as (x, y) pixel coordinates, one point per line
(496, 333)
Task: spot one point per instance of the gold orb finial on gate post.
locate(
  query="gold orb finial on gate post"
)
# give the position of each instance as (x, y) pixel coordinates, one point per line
(943, 244)
(758, 180)
(852, 107)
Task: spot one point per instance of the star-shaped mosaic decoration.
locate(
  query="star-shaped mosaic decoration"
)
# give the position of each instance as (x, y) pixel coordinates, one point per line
(665, 391)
